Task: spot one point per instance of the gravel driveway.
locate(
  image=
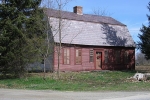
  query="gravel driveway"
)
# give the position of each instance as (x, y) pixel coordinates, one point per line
(13, 94)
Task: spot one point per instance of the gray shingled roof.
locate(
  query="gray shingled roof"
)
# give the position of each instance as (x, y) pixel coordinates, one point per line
(82, 30)
(84, 17)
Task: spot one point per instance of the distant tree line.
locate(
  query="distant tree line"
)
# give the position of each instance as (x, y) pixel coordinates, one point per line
(141, 60)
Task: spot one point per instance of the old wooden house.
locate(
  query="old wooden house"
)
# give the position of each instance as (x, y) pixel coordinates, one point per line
(90, 42)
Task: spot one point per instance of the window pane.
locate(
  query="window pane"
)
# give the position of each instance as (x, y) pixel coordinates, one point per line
(77, 53)
(66, 56)
(67, 60)
(91, 55)
(78, 56)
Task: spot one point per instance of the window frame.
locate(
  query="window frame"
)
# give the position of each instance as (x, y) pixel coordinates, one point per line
(91, 55)
(65, 57)
(75, 60)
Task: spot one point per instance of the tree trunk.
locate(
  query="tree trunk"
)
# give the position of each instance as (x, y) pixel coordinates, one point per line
(59, 50)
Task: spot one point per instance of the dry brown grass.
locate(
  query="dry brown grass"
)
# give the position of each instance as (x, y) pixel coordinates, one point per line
(142, 68)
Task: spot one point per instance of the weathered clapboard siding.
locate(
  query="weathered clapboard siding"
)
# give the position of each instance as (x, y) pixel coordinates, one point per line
(87, 65)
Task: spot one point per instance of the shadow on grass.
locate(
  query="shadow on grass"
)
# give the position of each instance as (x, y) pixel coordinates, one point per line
(3, 77)
(129, 71)
(9, 76)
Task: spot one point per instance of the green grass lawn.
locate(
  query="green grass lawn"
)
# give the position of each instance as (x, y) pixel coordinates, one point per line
(79, 81)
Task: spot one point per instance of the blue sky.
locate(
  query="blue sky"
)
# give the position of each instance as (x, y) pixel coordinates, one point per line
(130, 12)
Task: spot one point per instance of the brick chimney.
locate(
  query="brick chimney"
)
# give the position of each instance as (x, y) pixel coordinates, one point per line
(78, 10)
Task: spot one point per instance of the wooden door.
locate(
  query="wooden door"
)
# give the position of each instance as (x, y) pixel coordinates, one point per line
(98, 60)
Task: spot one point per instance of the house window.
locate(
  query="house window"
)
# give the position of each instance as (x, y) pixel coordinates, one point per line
(78, 58)
(106, 56)
(117, 55)
(91, 55)
(126, 57)
(66, 56)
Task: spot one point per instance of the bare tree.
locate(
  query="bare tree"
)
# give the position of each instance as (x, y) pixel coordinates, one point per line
(101, 12)
(47, 47)
(58, 5)
(141, 60)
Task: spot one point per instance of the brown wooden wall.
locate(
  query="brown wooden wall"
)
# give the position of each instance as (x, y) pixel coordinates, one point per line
(111, 64)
